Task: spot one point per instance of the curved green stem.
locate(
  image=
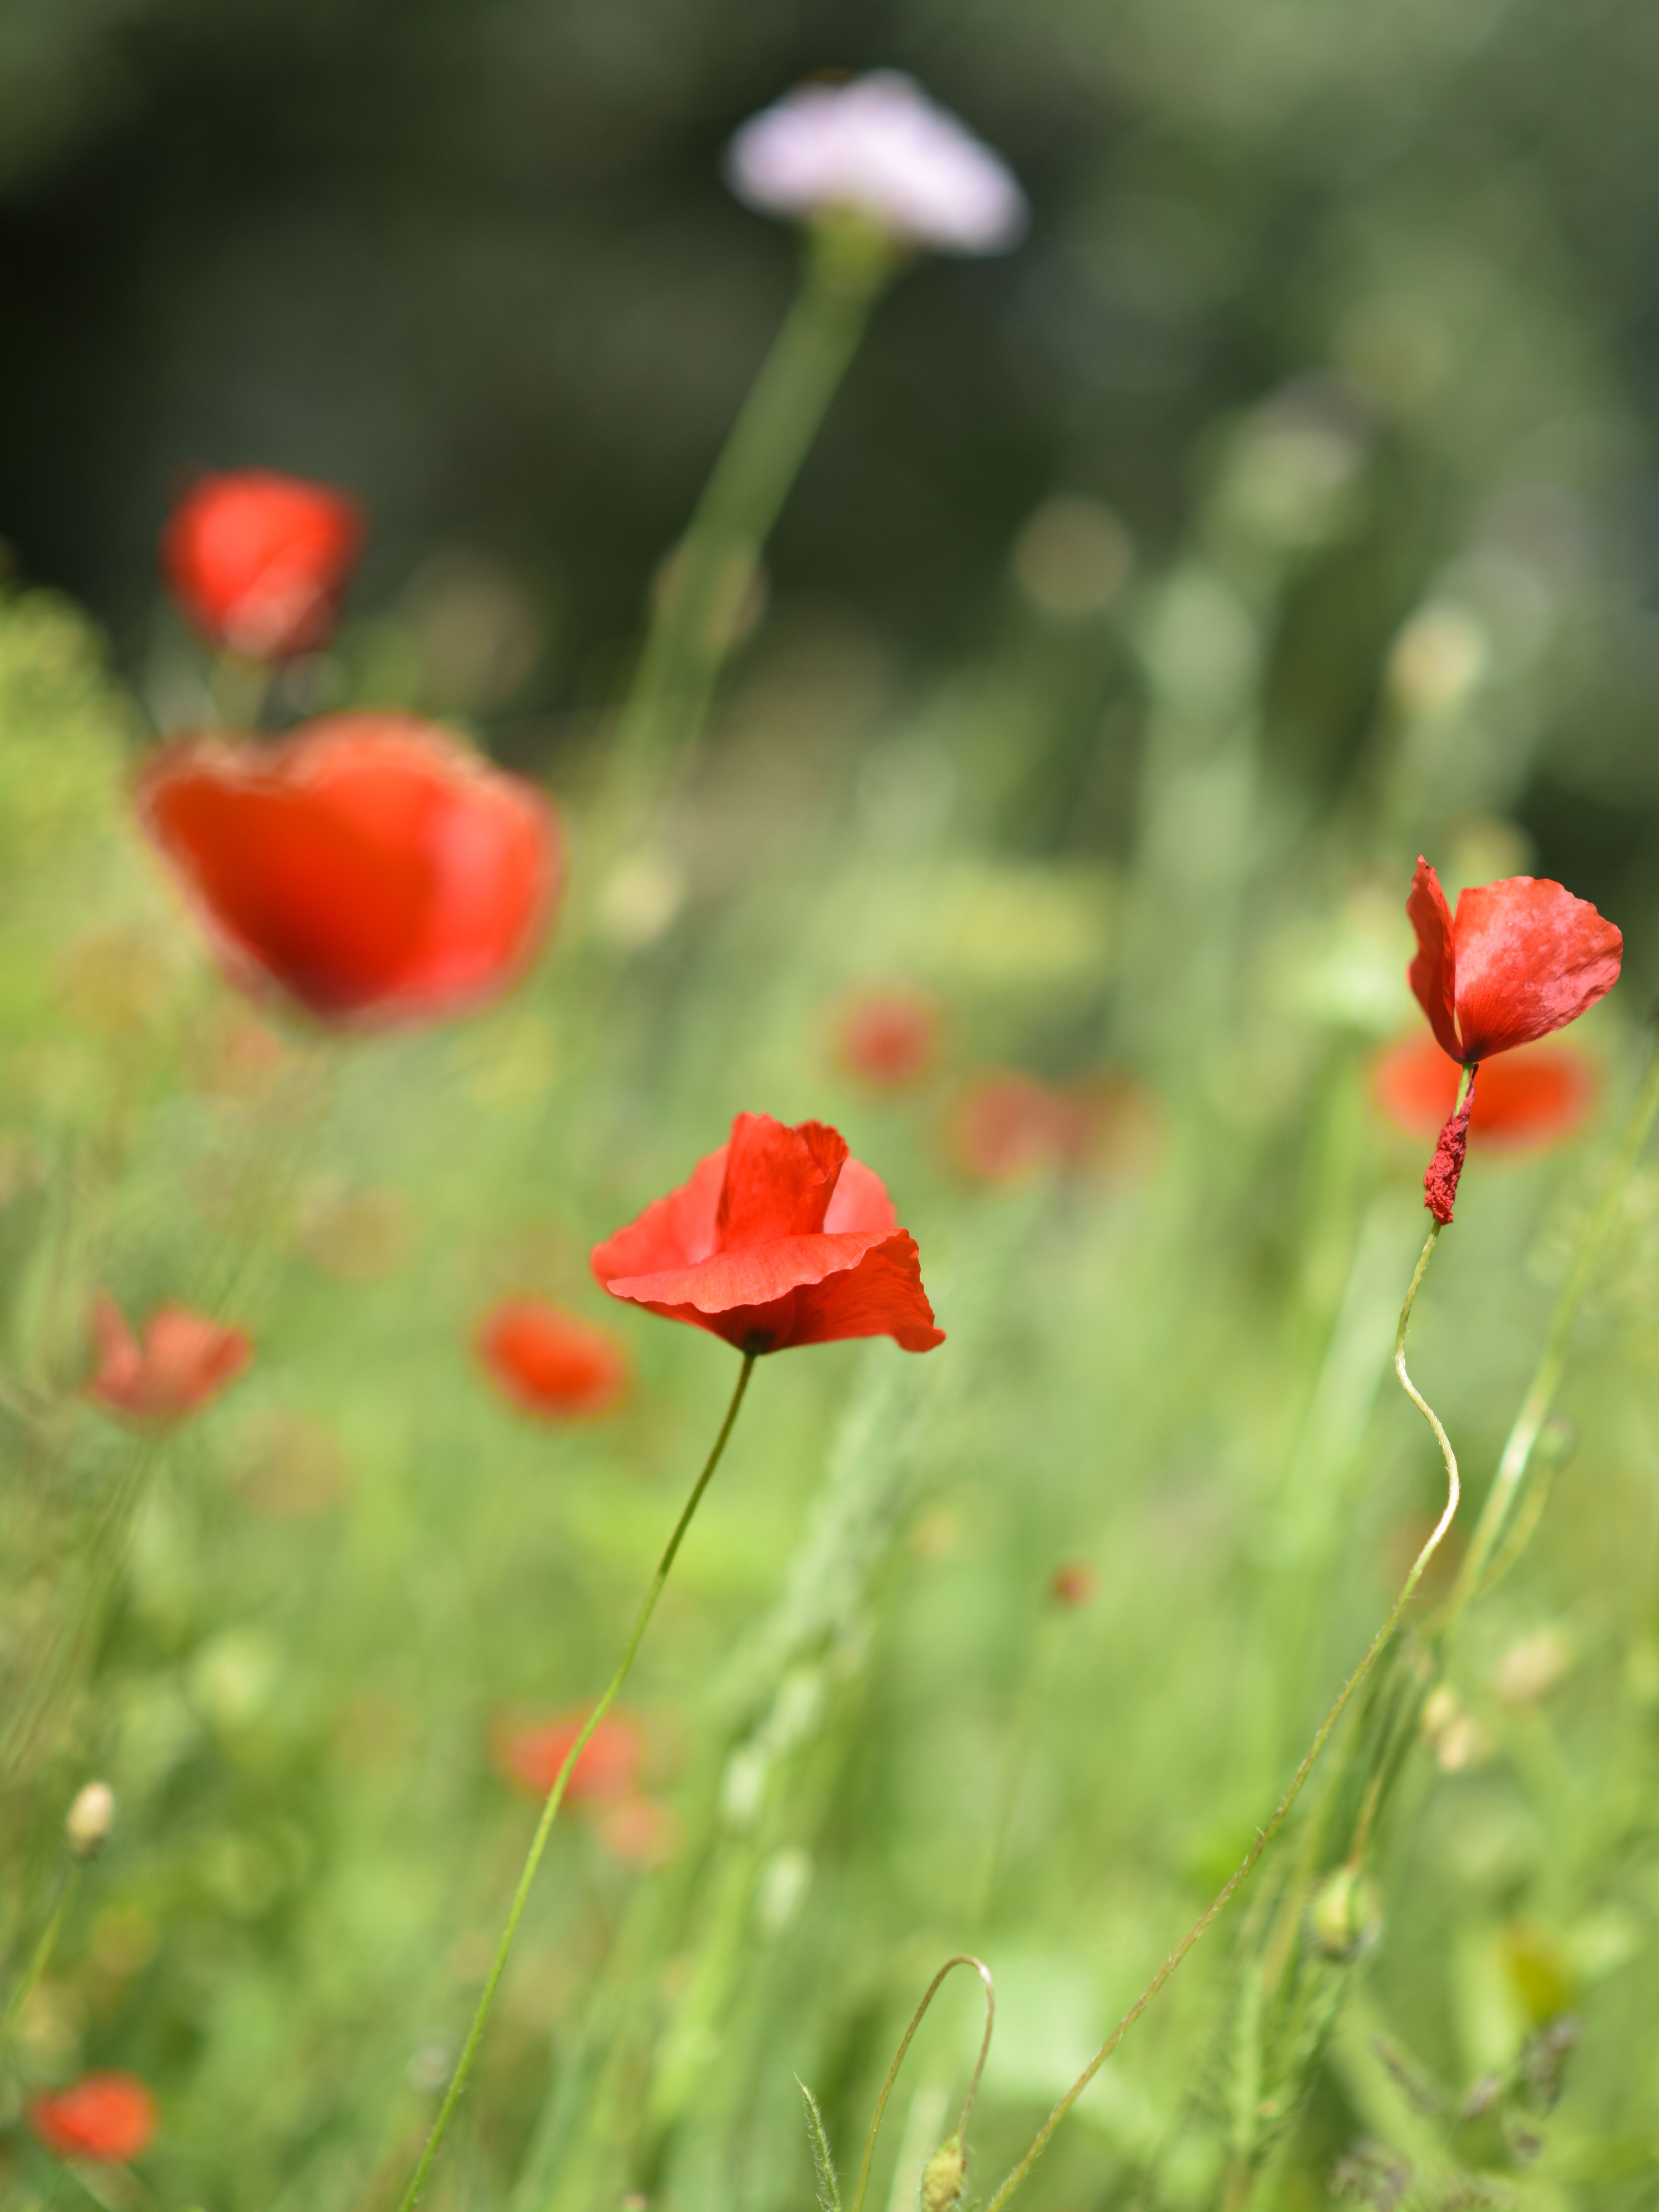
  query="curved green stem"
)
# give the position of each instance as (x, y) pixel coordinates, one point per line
(961, 1959)
(713, 568)
(556, 1797)
(1513, 1467)
(1247, 1865)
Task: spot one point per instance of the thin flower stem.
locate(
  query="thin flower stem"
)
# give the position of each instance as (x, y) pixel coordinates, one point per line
(961, 1959)
(40, 1959)
(556, 1797)
(1246, 1866)
(701, 606)
(1512, 1469)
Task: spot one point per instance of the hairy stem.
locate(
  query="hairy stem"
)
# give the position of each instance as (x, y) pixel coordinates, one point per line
(961, 1959)
(556, 1797)
(1247, 1865)
(39, 1959)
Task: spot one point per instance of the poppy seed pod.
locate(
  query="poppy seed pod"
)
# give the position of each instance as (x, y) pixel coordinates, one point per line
(942, 2177)
(258, 561)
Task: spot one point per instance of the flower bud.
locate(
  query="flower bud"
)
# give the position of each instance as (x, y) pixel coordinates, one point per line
(1346, 1916)
(941, 2177)
(90, 1818)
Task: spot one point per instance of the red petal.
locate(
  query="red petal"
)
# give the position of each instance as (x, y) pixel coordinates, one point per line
(755, 1277)
(859, 1201)
(105, 2117)
(779, 1180)
(1431, 973)
(882, 1297)
(1530, 958)
(675, 1231)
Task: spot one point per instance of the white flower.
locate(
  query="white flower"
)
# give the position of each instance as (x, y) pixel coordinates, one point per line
(878, 145)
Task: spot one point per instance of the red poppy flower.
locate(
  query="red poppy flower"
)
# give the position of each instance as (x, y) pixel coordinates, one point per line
(551, 1362)
(107, 2117)
(1523, 957)
(369, 865)
(780, 1238)
(529, 1754)
(185, 1360)
(1536, 1096)
(1006, 1127)
(1074, 1584)
(888, 1038)
(260, 562)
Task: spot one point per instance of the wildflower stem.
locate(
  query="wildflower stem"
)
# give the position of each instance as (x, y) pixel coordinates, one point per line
(1247, 1865)
(39, 1959)
(556, 1795)
(700, 604)
(961, 1959)
(1513, 1467)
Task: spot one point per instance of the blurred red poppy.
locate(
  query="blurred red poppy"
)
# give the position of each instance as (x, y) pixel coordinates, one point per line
(185, 1360)
(529, 1754)
(642, 1831)
(889, 1037)
(1074, 1584)
(368, 866)
(1536, 1096)
(551, 1362)
(259, 562)
(105, 2117)
(1005, 1125)
(781, 1238)
(1523, 957)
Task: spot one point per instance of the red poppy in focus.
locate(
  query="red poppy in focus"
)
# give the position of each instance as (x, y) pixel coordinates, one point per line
(781, 1238)
(888, 1038)
(259, 562)
(368, 866)
(1521, 958)
(529, 1754)
(105, 2118)
(552, 1363)
(185, 1360)
(1526, 1099)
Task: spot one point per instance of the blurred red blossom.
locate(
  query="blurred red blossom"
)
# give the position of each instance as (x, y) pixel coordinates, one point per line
(780, 1238)
(259, 562)
(1074, 1584)
(529, 1754)
(888, 1036)
(551, 1362)
(1522, 958)
(368, 866)
(1005, 1125)
(1536, 1096)
(105, 2118)
(642, 1831)
(185, 1360)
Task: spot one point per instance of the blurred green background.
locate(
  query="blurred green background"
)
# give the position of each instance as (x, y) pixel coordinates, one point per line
(1333, 341)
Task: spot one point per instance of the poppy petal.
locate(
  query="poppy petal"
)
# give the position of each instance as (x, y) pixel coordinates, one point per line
(1530, 958)
(779, 1180)
(1431, 973)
